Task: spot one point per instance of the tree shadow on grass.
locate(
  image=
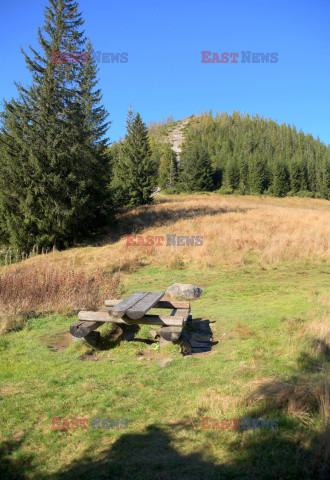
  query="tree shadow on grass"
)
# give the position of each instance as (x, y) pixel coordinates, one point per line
(293, 451)
(16, 468)
(151, 456)
(136, 221)
(296, 402)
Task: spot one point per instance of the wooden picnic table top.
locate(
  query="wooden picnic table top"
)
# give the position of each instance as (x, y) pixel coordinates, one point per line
(136, 305)
(132, 311)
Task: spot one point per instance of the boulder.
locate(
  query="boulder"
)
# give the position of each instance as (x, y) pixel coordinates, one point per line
(184, 290)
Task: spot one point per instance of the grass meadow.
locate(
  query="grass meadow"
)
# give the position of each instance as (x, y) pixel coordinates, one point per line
(264, 266)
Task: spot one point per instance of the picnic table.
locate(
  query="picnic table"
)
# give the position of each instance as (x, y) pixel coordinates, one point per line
(133, 311)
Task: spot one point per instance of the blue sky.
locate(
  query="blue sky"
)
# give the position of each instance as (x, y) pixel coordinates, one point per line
(164, 74)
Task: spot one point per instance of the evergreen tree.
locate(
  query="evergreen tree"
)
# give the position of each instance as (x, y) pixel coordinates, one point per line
(325, 176)
(134, 169)
(280, 185)
(195, 169)
(243, 175)
(157, 149)
(232, 174)
(258, 176)
(168, 168)
(295, 176)
(54, 167)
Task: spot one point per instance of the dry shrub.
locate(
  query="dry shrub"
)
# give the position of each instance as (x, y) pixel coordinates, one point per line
(298, 397)
(37, 288)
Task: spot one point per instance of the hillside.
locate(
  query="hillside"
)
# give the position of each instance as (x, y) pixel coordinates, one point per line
(263, 264)
(244, 154)
(235, 229)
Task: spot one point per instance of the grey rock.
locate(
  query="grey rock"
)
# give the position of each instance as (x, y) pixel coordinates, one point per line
(184, 290)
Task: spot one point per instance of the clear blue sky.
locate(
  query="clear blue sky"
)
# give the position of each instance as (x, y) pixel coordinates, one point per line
(164, 74)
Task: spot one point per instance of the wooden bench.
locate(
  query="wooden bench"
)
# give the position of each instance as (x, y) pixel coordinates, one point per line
(133, 311)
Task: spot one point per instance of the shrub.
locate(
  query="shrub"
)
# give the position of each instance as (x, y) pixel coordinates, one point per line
(225, 190)
(306, 193)
(27, 290)
(171, 190)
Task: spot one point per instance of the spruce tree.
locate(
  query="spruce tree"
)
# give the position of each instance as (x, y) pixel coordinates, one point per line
(243, 175)
(196, 172)
(53, 166)
(280, 185)
(325, 176)
(168, 168)
(232, 175)
(295, 176)
(134, 169)
(258, 176)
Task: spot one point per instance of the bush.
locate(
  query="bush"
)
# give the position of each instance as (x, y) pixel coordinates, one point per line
(27, 290)
(306, 193)
(171, 191)
(225, 190)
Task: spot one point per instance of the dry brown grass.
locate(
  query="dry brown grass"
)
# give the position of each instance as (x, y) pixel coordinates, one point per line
(27, 290)
(243, 331)
(234, 229)
(299, 397)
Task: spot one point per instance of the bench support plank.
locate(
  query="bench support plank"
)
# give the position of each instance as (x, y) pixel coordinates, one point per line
(81, 329)
(147, 319)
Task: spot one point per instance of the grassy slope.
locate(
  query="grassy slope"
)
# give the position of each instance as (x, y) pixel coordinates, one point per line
(266, 364)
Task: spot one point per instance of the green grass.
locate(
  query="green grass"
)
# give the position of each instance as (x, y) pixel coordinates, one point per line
(256, 316)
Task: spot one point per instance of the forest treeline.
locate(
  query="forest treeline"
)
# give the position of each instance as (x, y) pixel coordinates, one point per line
(246, 155)
(60, 180)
